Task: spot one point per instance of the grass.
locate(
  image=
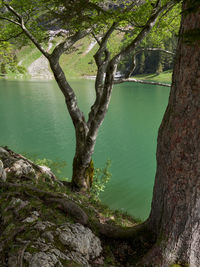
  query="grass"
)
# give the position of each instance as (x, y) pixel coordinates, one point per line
(27, 55)
(164, 77)
(75, 63)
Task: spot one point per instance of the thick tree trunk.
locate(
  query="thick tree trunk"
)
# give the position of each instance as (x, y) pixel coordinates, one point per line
(175, 214)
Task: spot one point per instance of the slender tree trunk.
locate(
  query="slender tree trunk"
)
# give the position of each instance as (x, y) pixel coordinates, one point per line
(83, 170)
(175, 214)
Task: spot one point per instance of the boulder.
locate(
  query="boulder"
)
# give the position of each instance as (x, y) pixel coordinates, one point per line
(79, 246)
(22, 168)
(80, 239)
(2, 172)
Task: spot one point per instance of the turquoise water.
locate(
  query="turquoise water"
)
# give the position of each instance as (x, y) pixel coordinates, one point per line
(34, 119)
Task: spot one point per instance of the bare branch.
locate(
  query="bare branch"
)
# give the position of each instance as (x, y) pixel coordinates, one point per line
(140, 81)
(103, 45)
(96, 38)
(10, 20)
(102, 58)
(155, 49)
(11, 9)
(69, 42)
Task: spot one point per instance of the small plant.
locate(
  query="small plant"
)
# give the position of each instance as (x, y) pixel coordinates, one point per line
(101, 178)
(55, 166)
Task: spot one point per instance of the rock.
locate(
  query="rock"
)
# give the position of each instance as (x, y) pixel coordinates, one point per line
(3, 153)
(80, 239)
(41, 226)
(2, 172)
(26, 219)
(34, 217)
(63, 245)
(42, 259)
(47, 171)
(48, 235)
(22, 168)
(18, 204)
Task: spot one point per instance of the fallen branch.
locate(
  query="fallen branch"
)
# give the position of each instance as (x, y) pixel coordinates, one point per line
(140, 81)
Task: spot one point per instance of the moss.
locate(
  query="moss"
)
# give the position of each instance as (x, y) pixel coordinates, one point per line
(30, 234)
(69, 263)
(180, 265)
(9, 229)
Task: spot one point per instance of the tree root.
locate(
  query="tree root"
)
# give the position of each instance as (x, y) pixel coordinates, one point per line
(67, 206)
(71, 208)
(4, 244)
(80, 216)
(21, 254)
(118, 232)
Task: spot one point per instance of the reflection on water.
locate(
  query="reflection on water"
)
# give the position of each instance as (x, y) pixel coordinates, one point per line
(34, 118)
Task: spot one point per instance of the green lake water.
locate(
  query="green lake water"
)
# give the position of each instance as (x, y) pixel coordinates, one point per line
(34, 119)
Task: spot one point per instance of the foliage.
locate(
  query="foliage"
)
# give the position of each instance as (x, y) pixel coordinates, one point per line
(8, 61)
(101, 178)
(101, 175)
(56, 166)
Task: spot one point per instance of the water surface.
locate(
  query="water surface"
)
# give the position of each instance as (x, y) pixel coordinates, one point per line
(34, 119)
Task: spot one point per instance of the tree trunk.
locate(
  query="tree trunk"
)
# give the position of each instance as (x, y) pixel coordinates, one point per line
(175, 214)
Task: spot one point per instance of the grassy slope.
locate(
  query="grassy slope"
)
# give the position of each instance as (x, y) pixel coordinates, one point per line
(78, 63)
(75, 64)
(165, 77)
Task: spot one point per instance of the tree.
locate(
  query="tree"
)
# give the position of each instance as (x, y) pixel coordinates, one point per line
(7, 58)
(175, 213)
(80, 19)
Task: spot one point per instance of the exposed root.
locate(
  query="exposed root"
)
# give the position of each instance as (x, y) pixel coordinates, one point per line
(21, 254)
(5, 243)
(66, 205)
(71, 208)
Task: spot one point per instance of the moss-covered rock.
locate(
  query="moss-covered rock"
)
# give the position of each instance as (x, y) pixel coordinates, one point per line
(34, 229)
(44, 224)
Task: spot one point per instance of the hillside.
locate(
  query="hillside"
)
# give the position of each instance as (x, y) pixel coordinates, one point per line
(79, 62)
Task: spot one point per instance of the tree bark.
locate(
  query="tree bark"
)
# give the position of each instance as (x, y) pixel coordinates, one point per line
(175, 213)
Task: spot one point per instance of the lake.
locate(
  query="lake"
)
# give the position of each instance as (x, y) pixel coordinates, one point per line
(34, 119)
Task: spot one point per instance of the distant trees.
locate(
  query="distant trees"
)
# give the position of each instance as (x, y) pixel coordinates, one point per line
(80, 18)
(149, 61)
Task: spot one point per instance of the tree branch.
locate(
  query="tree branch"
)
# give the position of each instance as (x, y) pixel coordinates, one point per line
(140, 81)
(10, 20)
(21, 24)
(146, 29)
(69, 42)
(102, 58)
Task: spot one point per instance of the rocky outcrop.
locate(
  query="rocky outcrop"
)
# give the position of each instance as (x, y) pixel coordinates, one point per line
(39, 226)
(39, 69)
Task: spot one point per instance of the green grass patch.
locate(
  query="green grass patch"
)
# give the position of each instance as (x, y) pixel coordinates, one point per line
(164, 77)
